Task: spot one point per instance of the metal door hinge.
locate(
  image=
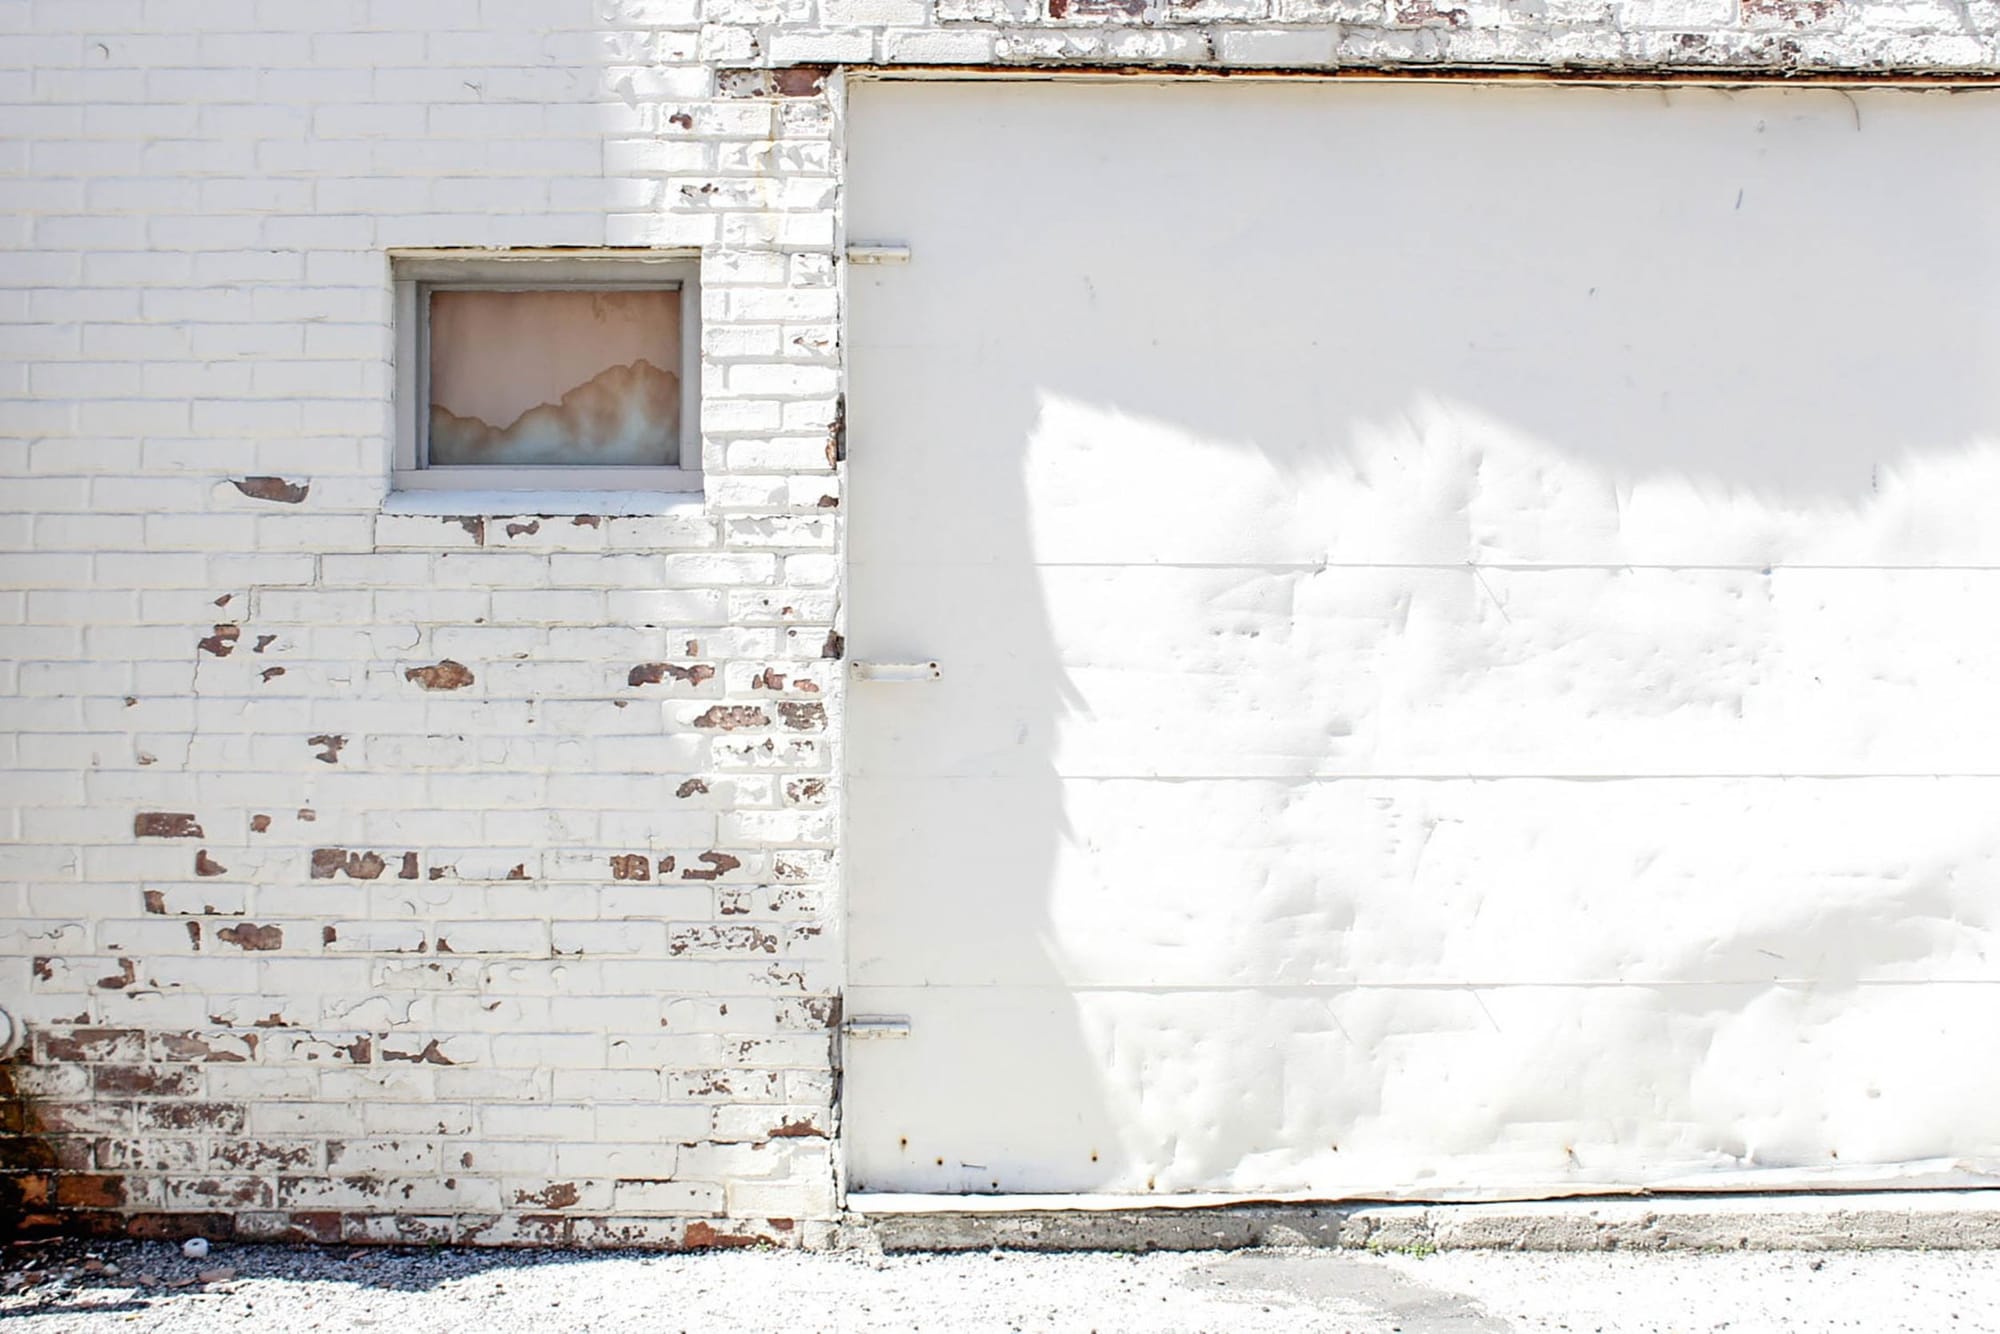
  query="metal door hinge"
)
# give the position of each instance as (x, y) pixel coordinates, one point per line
(894, 671)
(877, 1026)
(875, 252)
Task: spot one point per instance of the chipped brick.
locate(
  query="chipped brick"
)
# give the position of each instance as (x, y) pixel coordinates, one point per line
(445, 675)
(429, 1054)
(732, 717)
(652, 673)
(330, 862)
(275, 489)
(802, 715)
(249, 936)
(166, 824)
(719, 864)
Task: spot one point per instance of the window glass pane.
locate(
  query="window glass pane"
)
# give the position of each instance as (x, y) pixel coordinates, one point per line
(555, 377)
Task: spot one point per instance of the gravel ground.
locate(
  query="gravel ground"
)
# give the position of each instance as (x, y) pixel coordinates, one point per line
(150, 1286)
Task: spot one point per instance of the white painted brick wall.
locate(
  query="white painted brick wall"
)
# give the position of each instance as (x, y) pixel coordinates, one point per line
(552, 955)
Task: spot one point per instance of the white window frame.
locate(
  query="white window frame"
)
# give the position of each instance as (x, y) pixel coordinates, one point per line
(417, 274)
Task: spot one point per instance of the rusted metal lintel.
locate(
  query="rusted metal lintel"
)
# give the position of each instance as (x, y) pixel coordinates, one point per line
(1633, 76)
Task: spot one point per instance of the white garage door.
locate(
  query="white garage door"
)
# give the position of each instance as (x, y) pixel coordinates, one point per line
(1467, 620)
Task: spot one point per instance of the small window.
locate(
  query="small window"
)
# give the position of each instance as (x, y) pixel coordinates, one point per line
(548, 373)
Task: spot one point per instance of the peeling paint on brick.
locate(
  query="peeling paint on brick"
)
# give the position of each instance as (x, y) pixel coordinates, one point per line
(445, 675)
(221, 641)
(249, 936)
(652, 673)
(731, 717)
(719, 864)
(802, 717)
(272, 488)
(330, 862)
(429, 1054)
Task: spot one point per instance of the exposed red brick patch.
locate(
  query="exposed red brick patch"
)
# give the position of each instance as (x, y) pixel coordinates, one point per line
(166, 824)
(801, 1129)
(530, 528)
(162, 1081)
(222, 641)
(275, 489)
(263, 642)
(330, 862)
(730, 717)
(586, 521)
(327, 935)
(409, 871)
(82, 1190)
(259, 823)
(473, 525)
(682, 119)
(691, 787)
(555, 1195)
(156, 900)
(225, 1117)
(652, 673)
(835, 645)
(250, 936)
(94, 1045)
(430, 1055)
(272, 673)
(518, 872)
(330, 752)
(199, 1047)
(1799, 13)
(802, 716)
(360, 1051)
(225, 599)
(666, 866)
(630, 866)
(44, 967)
(768, 679)
(128, 973)
(306, 813)
(800, 80)
(701, 1236)
(194, 933)
(205, 865)
(829, 502)
(719, 864)
(445, 675)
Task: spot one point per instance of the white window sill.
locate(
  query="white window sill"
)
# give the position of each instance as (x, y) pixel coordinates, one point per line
(502, 504)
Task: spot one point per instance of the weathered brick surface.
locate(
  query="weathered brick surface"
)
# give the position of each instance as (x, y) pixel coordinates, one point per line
(388, 877)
